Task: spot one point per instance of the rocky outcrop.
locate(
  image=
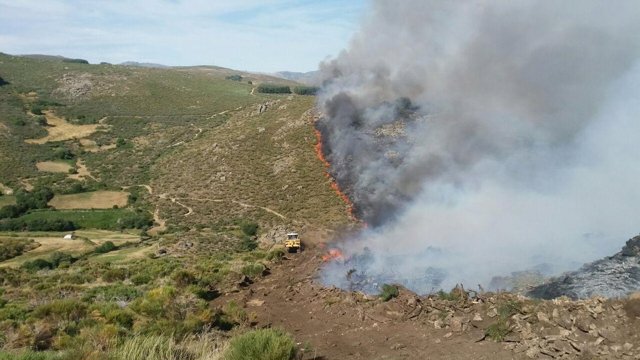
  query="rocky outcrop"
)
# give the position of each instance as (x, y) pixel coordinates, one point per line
(614, 276)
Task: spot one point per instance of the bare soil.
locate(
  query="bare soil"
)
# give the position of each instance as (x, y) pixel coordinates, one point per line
(90, 200)
(341, 325)
(92, 147)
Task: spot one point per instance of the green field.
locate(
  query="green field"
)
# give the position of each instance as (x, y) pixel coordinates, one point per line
(84, 219)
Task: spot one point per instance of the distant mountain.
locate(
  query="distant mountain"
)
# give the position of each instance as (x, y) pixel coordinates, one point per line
(308, 78)
(45, 57)
(144, 65)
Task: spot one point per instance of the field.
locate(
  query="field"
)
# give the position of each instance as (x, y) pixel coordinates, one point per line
(84, 219)
(53, 166)
(90, 200)
(51, 242)
(60, 130)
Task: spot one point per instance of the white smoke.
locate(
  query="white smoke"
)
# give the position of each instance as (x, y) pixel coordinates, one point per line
(518, 144)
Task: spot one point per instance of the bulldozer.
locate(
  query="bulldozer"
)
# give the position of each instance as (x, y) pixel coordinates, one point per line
(292, 243)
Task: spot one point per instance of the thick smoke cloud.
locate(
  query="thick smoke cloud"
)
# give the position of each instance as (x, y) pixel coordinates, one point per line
(479, 138)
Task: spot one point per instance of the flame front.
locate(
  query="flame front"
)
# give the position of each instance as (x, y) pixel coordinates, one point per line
(334, 184)
(333, 254)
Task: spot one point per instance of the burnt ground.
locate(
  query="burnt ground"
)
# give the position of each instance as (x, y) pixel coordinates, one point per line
(336, 324)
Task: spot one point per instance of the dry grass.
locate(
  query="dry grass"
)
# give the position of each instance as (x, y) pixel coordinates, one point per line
(165, 348)
(90, 200)
(82, 172)
(60, 130)
(53, 166)
(92, 147)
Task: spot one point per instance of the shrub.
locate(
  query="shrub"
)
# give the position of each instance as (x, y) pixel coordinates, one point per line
(264, 344)
(76, 61)
(64, 154)
(10, 248)
(306, 90)
(275, 254)
(498, 330)
(388, 292)
(68, 310)
(253, 270)
(234, 77)
(249, 228)
(183, 278)
(112, 275)
(120, 142)
(116, 292)
(248, 243)
(105, 248)
(37, 264)
(273, 89)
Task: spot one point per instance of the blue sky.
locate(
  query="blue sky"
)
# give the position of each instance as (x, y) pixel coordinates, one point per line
(255, 35)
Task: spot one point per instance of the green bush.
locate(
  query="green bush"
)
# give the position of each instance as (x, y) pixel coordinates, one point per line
(234, 77)
(105, 248)
(37, 264)
(68, 310)
(249, 228)
(253, 270)
(10, 248)
(116, 292)
(263, 344)
(76, 61)
(273, 89)
(388, 292)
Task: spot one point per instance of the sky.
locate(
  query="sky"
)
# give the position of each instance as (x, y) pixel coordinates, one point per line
(252, 35)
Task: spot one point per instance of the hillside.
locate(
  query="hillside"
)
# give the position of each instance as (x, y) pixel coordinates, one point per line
(170, 178)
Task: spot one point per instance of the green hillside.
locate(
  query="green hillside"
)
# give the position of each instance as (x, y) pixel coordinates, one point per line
(169, 176)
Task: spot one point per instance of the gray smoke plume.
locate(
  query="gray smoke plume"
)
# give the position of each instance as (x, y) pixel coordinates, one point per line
(478, 138)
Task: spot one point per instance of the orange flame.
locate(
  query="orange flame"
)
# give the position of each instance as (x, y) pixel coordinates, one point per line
(333, 254)
(334, 184)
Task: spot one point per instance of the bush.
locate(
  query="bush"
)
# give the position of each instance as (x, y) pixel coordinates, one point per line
(249, 228)
(234, 77)
(253, 270)
(76, 61)
(105, 248)
(306, 90)
(37, 264)
(68, 310)
(388, 292)
(263, 344)
(120, 142)
(183, 278)
(116, 292)
(248, 244)
(273, 89)
(64, 154)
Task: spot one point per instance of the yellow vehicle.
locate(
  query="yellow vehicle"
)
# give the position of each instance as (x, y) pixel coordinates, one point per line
(292, 244)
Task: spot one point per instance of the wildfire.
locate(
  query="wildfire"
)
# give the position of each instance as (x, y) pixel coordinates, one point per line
(334, 184)
(333, 254)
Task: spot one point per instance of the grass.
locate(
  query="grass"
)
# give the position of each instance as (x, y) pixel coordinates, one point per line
(83, 219)
(166, 348)
(263, 344)
(91, 200)
(7, 200)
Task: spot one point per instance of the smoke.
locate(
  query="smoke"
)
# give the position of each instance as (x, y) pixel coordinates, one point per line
(479, 138)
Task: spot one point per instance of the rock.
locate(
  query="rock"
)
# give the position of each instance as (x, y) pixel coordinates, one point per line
(542, 317)
(255, 302)
(477, 317)
(456, 324)
(492, 313)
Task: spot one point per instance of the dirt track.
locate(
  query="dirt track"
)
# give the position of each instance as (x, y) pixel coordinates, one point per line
(341, 325)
